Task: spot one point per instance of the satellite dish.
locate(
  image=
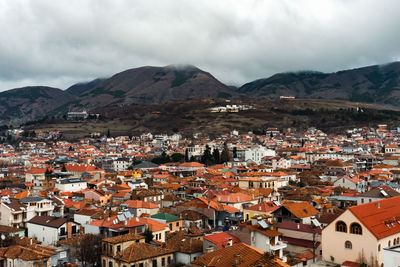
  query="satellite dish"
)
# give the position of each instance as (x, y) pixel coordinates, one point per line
(3, 237)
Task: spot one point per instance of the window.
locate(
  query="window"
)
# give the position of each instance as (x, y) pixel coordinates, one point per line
(348, 245)
(169, 259)
(355, 228)
(118, 248)
(177, 224)
(379, 247)
(110, 264)
(163, 262)
(389, 243)
(104, 263)
(140, 264)
(341, 227)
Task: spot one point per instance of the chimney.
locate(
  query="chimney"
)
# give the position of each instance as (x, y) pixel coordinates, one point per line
(378, 205)
(238, 259)
(69, 229)
(298, 226)
(230, 242)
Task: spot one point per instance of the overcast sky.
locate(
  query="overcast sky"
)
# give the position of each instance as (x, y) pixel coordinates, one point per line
(59, 43)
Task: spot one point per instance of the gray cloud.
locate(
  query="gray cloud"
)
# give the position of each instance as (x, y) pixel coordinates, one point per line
(58, 43)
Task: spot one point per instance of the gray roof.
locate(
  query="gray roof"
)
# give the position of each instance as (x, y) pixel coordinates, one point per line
(70, 181)
(146, 165)
(31, 199)
(380, 192)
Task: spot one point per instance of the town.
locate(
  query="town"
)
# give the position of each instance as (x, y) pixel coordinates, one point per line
(283, 198)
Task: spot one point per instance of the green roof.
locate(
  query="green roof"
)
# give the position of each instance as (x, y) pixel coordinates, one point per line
(165, 216)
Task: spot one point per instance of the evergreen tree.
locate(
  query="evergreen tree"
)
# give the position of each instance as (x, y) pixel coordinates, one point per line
(225, 155)
(177, 157)
(207, 157)
(234, 152)
(216, 156)
(186, 155)
(148, 235)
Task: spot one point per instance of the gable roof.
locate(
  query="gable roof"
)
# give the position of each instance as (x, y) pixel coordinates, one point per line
(141, 251)
(49, 221)
(165, 216)
(381, 218)
(267, 206)
(378, 192)
(221, 239)
(226, 256)
(301, 209)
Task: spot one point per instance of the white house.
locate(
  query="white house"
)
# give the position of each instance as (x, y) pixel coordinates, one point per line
(49, 229)
(256, 153)
(71, 185)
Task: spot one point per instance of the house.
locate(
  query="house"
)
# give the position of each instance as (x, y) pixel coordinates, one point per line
(363, 230)
(298, 212)
(98, 195)
(114, 245)
(192, 218)
(71, 185)
(236, 200)
(174, 223)
(237, 255)
(138, 207)
(217, 241)
(17, 255)
(259, 234)
(391, 255)
(187, 246)
(351, 182)
(300, 237)
(12, 231)
(141, 255)
(263, 208)
(84, 216)
(218, 215)
(378, 193)
(17, 213)
(256, 153)
(49, 229)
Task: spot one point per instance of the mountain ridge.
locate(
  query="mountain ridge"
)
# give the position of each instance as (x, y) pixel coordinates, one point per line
(377, 84)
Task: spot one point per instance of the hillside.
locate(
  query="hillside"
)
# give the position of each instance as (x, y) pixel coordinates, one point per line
(80, 88)
(372, 84)
(154, 85)
(193, 116)
(30, 103)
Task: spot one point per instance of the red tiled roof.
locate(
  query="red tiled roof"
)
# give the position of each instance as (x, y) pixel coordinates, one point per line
(267, 206)
(221, 239)
(381, 218)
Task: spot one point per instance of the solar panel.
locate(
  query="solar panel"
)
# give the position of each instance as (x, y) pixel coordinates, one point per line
(263, 224)
(121, 218)
(316, 222)
(277, 203)
(128, 214)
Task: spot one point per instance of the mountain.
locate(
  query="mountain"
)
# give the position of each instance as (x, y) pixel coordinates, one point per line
(373, 84)
(80, 88)
(193, 116)
(155, 85)
(30, 103)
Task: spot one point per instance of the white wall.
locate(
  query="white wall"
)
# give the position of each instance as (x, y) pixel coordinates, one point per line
(47, 235)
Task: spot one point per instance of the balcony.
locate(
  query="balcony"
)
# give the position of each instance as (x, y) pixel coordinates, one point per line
(278, 245)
